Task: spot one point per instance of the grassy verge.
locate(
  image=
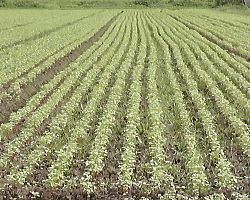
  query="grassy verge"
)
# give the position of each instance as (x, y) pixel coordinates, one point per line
(235, 9)
(123, 4)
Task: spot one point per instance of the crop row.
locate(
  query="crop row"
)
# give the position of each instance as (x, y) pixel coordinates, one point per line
(229, 90)
(189, 56)
(226, 37)
(59, 123)
(40, 53)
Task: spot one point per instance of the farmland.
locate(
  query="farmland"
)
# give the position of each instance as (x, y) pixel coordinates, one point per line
(124, 104)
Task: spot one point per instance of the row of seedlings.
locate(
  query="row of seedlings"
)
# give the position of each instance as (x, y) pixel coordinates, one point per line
(225, 35)
(79, 137)
(228, 87)
(230, 111)
(130, 134)
(213, 36)
(35, 61)
(98, 150)
(160, 168)
(223, 166)
(36, 100)
(39, 116)
(65, 117)
(42, 27)
(195, 170)
(241, 129)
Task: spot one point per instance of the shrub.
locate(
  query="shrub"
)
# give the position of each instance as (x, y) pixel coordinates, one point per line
(3, 3)
(27, 4)
(145, 2)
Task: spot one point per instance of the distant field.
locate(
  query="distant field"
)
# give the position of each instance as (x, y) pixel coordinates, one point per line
(133, 104)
